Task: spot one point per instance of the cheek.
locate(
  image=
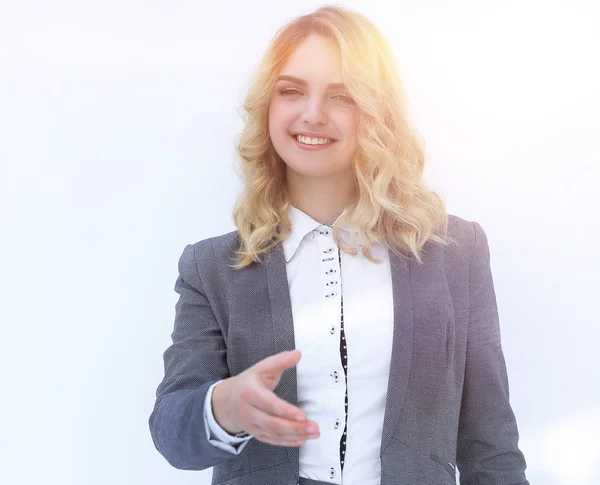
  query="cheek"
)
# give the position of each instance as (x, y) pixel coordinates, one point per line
(278, 119)
(345, 121)
(349, 128)
(275, 124)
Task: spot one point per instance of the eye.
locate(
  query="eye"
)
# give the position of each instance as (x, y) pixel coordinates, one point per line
(343, 97)
(289, 91)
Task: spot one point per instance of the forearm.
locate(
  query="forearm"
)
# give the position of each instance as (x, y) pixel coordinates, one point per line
(177, 426)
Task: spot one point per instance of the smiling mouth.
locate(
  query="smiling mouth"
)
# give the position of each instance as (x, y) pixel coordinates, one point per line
(310, 147)
(313, 141)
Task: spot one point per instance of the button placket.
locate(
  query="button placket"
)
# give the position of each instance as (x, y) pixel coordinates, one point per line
(329, 257)
(343, 353)
(332, 275)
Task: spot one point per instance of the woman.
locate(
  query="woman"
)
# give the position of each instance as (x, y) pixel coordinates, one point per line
(343, 254)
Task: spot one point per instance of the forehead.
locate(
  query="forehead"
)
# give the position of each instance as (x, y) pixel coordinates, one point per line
(315, 59)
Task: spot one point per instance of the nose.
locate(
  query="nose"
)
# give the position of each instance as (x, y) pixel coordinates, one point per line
(314, 112)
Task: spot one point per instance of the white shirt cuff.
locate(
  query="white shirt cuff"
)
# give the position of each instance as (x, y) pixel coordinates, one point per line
(215, 434)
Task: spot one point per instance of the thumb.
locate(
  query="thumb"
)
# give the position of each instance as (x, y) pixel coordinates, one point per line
(275, 364)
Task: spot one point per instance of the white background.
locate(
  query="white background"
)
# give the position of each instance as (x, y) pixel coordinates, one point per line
(117, 126)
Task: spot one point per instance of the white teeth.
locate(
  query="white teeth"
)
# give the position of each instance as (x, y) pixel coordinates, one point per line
(313, 141)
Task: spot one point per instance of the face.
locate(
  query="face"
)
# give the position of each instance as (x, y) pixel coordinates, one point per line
(309, 98)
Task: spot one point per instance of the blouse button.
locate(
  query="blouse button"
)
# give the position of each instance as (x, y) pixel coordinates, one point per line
(332, 330)
(337, 424)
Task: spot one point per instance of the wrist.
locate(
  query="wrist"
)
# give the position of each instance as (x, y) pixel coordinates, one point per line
(219, 408)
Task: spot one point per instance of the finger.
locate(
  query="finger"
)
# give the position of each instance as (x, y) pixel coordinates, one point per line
(274, 427)
(279, 442)
(268, 402)
(279, 362)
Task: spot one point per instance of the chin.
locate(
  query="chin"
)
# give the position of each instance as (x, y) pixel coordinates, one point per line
(304, 169)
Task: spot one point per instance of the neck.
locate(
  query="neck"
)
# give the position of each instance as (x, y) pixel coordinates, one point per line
(322, 198)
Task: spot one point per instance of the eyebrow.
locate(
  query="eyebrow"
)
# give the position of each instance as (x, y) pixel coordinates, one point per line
(303, 82)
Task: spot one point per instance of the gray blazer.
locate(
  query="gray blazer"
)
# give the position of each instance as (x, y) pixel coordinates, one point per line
(448, 400)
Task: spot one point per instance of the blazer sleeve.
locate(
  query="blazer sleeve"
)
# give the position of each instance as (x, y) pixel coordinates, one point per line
(196, 359)
(487, 444)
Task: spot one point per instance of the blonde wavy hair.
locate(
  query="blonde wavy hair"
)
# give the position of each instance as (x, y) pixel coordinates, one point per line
(393, 205)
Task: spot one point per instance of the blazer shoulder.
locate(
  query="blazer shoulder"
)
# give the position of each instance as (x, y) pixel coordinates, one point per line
(459, 228)
(464, 236)
(216, 247)
(465, 230)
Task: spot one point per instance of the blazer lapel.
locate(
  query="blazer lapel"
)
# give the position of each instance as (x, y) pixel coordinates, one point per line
(283, 330)
(402, 345)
